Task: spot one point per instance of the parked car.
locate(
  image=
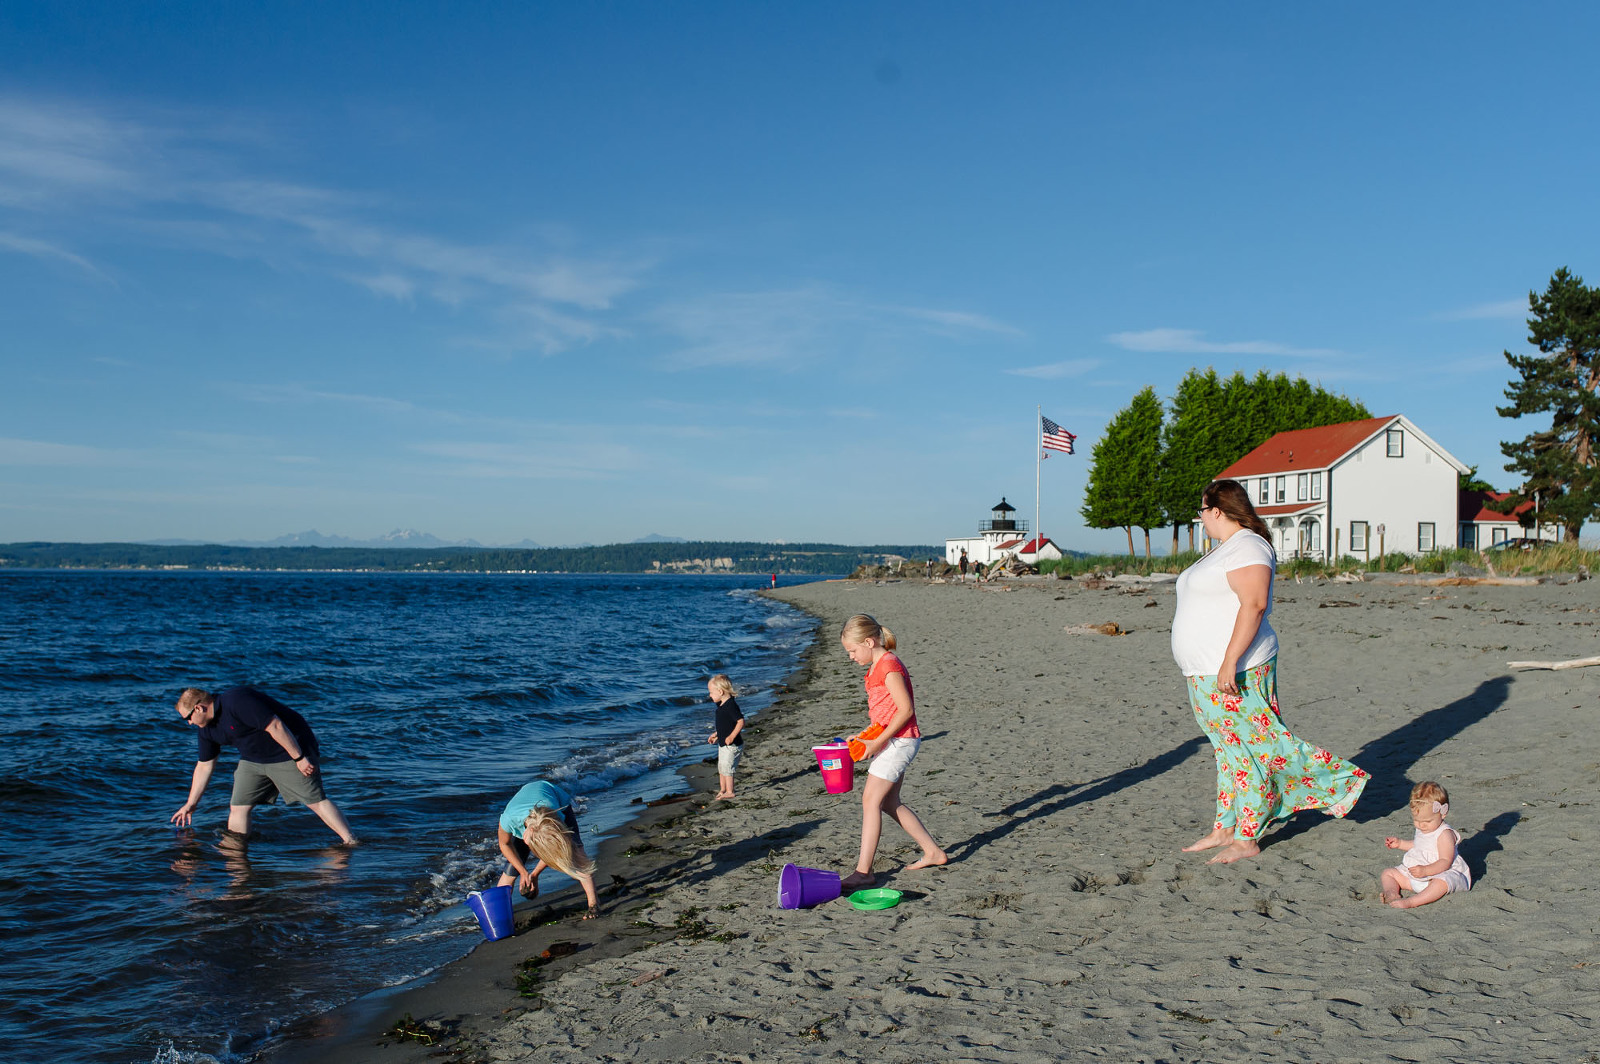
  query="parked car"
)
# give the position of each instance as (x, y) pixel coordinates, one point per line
(1522, 543)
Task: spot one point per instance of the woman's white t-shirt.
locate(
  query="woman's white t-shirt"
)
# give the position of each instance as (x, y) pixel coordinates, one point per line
(1207, 608)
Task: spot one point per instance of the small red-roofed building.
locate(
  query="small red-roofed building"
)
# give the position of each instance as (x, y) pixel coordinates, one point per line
(1037, 549)
(1484, 524)
(1354, 488)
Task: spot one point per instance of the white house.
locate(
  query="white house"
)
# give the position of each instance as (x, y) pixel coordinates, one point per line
(1483, 523)
(1354, 488)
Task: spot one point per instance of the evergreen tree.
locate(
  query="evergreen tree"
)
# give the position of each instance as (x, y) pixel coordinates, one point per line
(1192, 448)
(1123, 477)
(1562, 380)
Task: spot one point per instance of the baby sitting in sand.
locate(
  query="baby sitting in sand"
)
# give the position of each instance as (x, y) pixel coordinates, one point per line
(1432, 867)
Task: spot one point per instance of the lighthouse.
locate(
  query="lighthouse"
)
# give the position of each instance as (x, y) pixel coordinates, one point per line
(1003, 534)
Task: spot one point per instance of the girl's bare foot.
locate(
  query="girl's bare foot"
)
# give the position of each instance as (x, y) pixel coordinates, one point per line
(929, 860)
(857, 881)
(1400, 903)
(1390, 897)
(723, 797)
(1218, 837)
(590, 913)
(1237, 850)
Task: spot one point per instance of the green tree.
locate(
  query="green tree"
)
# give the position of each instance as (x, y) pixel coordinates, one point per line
(1124, 474)
(1217, 422)
(1192, 449)
(1562, 380)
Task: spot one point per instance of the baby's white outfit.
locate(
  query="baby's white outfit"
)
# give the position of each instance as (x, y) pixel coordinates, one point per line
(1425, 850)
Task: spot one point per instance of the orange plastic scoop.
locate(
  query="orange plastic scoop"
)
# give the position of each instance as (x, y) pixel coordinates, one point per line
(858, 743)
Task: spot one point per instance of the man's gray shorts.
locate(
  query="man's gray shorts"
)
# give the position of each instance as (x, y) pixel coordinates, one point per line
(255, 783)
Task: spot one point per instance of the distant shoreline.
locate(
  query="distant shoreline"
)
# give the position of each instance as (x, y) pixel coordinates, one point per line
(696, 558)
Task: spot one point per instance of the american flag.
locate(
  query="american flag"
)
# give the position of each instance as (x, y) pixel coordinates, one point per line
(1054, 437)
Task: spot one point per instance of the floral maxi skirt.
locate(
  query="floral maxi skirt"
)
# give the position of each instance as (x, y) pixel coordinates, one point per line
(1265, 773)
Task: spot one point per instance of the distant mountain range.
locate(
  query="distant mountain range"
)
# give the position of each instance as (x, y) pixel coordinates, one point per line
(400, 537)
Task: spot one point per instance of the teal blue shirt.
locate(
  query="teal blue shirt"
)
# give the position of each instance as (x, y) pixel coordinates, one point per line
(523, 802)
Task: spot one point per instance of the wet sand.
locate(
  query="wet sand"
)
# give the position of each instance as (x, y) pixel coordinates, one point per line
(1064, 772)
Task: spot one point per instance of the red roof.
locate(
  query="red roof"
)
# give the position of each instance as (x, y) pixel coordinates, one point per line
(1476, 504)
(1007, 545)
(1306, 448)
(1280, 509)
(1033, 545)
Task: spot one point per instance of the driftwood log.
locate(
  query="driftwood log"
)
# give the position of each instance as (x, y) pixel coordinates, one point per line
(1574, 663)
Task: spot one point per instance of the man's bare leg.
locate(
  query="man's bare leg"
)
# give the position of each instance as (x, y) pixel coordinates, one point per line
(333, 818)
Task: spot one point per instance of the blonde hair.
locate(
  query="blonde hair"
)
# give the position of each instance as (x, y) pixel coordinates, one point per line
(550, 841)
(1428, 792)
(721, 684)
(193, 696)
(861, 628)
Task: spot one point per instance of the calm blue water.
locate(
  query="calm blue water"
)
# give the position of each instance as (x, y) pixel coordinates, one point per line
(434, 698)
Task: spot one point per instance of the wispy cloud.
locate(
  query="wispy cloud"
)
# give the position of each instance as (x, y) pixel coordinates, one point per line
(42, 250)
(19, 452)
(554, 459)
(1505, 309)
(291, 393)
(957, 321)
(1192, 342)
(1075, 367)
(185, 179)
(797, 326)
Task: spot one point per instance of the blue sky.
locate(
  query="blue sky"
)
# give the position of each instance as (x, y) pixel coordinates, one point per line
(761, 271)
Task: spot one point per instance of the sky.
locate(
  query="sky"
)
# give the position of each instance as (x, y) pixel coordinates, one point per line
(744, 271)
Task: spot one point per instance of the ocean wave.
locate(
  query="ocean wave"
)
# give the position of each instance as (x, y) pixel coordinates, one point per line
(553, 693)
(171, 1054)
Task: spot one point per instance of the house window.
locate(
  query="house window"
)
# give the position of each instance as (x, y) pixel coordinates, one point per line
(1261, 492)
(1283, 489)
(1397, 443)
(1358, 535)
(1424, 535)
(1316, 485)
(1497, 534)
(1302, 487)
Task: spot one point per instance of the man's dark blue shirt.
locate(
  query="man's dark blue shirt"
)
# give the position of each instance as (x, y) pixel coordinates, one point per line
(242, 716)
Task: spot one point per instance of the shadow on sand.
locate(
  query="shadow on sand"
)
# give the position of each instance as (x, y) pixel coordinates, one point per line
(1055, 798)
(1477, 847)
(1389, 758)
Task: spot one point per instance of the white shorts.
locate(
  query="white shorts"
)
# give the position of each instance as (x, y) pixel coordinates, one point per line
(727, 758)
(1454, 881)
(893, 760)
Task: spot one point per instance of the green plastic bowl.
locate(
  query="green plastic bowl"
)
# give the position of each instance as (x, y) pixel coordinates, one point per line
(880, 898)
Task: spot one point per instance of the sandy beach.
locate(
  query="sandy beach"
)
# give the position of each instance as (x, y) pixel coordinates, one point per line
(1063, 771)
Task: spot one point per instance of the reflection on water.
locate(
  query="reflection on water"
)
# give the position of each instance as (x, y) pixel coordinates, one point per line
(433, 697)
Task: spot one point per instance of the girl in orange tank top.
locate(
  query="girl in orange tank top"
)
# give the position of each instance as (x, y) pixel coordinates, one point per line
(892, 742)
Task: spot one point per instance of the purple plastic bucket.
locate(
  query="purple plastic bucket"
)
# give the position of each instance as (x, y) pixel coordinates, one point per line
(492, 907)
(801, 888)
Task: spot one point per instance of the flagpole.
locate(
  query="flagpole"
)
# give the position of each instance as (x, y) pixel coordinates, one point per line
(1038, 460)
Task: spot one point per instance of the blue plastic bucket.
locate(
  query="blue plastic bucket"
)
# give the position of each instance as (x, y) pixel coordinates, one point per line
(492, 907)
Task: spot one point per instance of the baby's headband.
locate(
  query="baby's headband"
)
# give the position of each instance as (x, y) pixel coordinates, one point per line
(1440, 807)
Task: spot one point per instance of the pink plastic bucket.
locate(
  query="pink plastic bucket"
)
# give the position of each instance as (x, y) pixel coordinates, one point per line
(838, 770)
(801, 888)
